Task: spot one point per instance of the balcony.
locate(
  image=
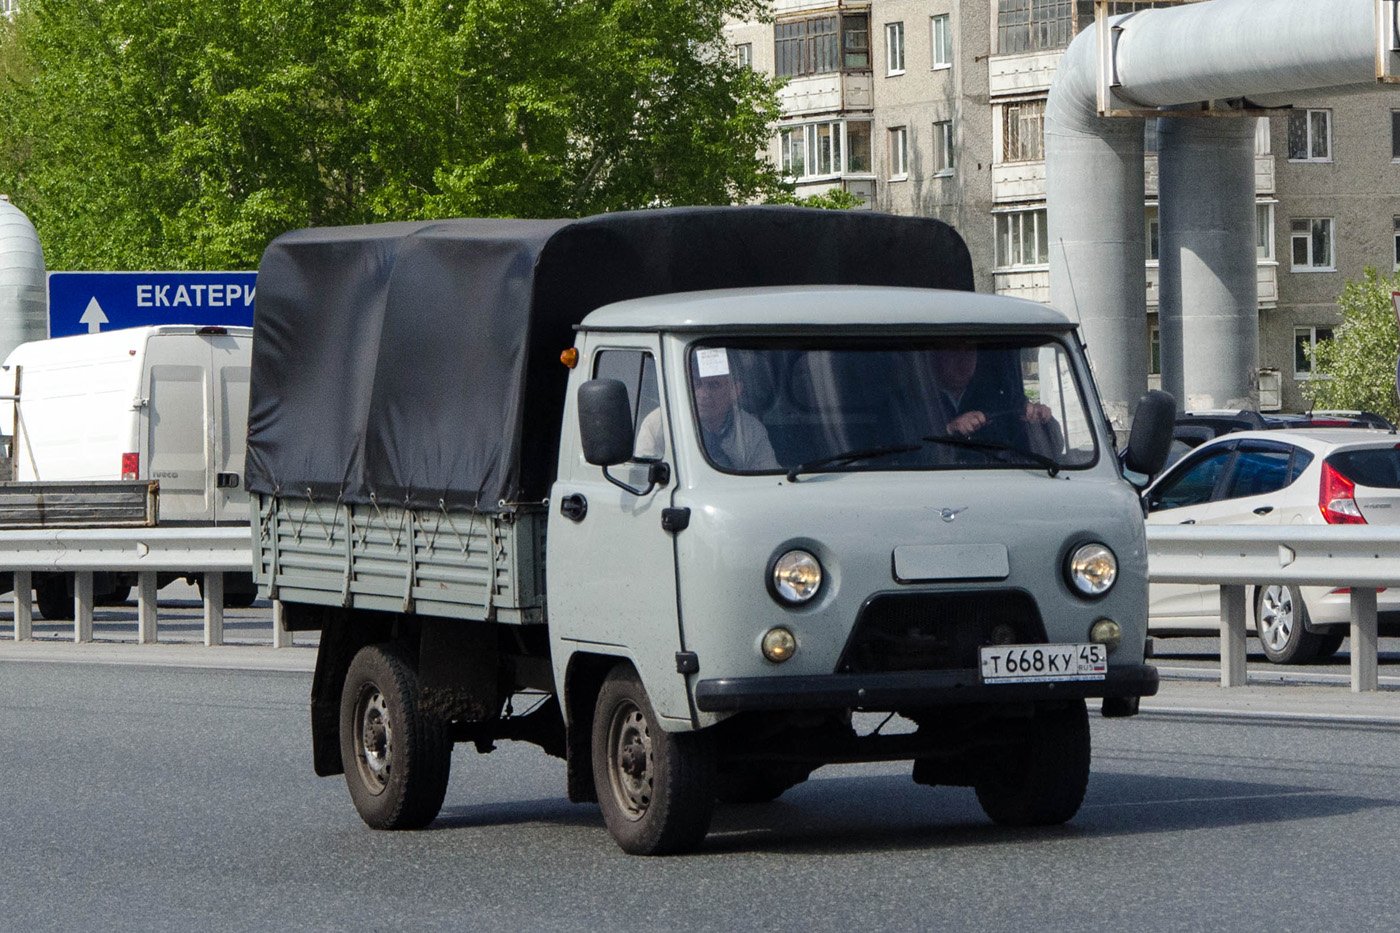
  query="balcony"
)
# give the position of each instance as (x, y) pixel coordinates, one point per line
(1018, 181)
(1030, 284)
(1023, 74)
(826, 93)
(1263, 174)
(1268, 284)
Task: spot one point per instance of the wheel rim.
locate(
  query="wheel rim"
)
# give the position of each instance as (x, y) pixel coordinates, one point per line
(374, 739)
(1276, 617)
(630, 763)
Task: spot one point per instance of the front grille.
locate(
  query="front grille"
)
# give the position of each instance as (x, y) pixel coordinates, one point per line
(936, 631)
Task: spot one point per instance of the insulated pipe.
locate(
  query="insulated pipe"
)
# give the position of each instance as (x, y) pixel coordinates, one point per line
(1094, 183)
(1263, 52)
(1228, 49)
(1208, 286)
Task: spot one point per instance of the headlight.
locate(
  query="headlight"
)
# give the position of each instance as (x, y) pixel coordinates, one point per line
(797, 576)
(1093, 569)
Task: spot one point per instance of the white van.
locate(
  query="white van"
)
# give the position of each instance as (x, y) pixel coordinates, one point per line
(166, 403)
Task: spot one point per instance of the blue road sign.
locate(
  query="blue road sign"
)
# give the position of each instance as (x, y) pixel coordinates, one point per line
(88, 302)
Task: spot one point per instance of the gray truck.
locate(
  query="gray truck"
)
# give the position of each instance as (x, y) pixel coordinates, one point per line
(681, 497)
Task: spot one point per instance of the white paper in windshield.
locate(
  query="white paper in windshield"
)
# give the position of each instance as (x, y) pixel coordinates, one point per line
(713, 361)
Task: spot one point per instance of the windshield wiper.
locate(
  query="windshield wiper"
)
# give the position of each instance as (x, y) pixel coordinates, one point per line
(850, 455)
(1050, 465)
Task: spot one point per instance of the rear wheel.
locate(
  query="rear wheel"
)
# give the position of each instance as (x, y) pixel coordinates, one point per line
(1041, 782)
(397, 758)
(1281, 621)
(656, 788)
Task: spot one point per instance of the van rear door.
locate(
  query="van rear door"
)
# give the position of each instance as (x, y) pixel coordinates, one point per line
(231, 369)
(177, 445)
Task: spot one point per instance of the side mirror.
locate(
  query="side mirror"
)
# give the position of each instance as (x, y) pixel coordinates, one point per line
(605, 422)
(1151, 439)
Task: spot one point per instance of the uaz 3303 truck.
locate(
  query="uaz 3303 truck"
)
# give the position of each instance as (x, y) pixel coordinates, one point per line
(787, 470)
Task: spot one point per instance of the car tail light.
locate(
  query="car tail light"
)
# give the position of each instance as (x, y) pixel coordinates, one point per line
(131, 466)
(1337, 498)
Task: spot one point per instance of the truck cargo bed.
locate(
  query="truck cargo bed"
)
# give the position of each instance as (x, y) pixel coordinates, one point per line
(460, 565)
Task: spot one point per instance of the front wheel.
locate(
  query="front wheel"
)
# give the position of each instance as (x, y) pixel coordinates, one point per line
(655, 788)
(1281, 621)
(1043, 779)
(397, 758)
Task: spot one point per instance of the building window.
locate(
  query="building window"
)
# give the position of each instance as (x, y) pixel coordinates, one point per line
(1397, 243)
(743, 54)
(899, 152)
(1313, 245)
(1022, 239)
(1033, 25)
(1154, 233)
(1305, 341)
(941, 35)
(1023, 131)
(894, 48)
(943, 147)
(1264, 231)
(1395, 135)
(858, 148)
(855, 42)
(1154, 350)
(1263, 138)
(1310, 136)
(822, 150)
(805, 46)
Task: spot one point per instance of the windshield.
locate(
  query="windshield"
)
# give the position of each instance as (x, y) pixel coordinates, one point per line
(916, 404)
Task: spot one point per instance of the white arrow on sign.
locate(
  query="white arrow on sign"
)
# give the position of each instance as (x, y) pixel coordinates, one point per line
(93, 317)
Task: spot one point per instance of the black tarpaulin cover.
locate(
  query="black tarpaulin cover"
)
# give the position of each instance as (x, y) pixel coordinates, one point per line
(418, 363)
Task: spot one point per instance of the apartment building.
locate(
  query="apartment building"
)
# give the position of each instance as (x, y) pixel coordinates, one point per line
(936, 108)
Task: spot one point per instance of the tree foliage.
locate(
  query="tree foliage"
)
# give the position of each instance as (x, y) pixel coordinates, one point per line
(1356, 368)
(187, 133)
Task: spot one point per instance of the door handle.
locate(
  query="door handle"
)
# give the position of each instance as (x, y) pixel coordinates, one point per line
(1189, 521)
(1263, 510)
(573, 507)
(226, 481)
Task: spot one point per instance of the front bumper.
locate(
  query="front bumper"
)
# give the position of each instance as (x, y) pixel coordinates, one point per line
(907, 690)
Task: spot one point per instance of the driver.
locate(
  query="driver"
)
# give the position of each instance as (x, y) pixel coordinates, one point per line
(968, 409)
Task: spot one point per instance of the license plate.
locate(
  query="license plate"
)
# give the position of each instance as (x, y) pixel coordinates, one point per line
(1038, 664)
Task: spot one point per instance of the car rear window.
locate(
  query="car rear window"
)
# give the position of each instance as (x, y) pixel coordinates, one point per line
(1378, 467)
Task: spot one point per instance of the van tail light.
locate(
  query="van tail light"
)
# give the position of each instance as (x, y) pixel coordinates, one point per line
(131, 466)
(1337, 498)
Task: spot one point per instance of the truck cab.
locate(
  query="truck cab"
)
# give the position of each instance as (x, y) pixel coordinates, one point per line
(844, 509)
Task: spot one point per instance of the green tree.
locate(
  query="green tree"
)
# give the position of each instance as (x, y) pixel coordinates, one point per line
(187, 133)
(1356, 368)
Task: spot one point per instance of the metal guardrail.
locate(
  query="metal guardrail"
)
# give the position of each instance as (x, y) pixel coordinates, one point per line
(143, 551)
(1364, 558)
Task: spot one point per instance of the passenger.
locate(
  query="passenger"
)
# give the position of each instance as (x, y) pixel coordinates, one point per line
(733, 438)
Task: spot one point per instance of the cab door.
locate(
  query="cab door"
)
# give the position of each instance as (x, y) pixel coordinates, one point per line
(612, 566)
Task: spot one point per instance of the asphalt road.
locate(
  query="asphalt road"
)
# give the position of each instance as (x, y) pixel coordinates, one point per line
(142, 798)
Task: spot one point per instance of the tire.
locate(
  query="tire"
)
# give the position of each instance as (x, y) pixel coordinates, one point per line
(55, 599)
(1281, 622)
(397, 759)
(1331, 644)
(757, 783)
(656, 788)
(1042, 781)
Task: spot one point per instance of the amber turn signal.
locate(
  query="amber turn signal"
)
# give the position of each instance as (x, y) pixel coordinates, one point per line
(569, 357)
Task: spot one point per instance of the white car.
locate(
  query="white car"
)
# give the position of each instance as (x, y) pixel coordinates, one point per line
(1311, 476)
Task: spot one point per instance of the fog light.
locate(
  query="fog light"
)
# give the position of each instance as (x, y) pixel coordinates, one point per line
(1003, 634)
(1108, 633)
(778, 645)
